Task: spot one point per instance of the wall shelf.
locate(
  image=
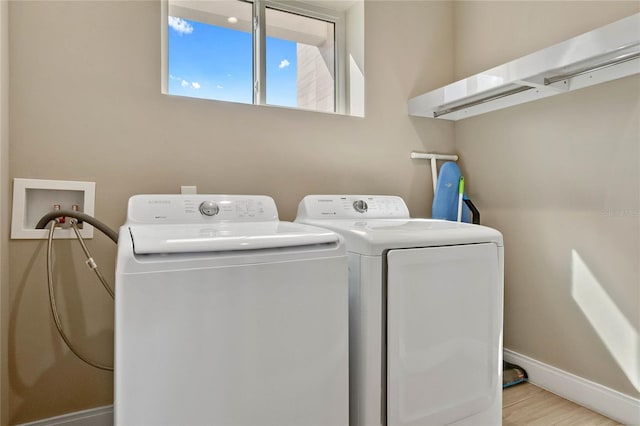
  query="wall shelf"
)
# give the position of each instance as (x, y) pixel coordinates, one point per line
(601, 55)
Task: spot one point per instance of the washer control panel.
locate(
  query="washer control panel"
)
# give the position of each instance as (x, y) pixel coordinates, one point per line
(352, 207)
(200, 208)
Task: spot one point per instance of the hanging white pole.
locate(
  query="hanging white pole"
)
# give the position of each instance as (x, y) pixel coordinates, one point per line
(433, 158)
(434, 173)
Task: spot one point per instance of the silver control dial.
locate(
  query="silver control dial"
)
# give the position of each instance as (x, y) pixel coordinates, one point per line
(360, 206)
(209, 208)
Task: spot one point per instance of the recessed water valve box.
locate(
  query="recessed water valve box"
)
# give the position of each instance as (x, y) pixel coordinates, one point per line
(33, 198)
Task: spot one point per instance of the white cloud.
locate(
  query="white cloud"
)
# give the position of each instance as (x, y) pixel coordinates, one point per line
(180, 25)
(219, 86)
(284, 63)
(186, 83)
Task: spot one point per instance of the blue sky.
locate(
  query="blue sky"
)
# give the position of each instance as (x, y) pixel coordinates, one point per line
(206, 61)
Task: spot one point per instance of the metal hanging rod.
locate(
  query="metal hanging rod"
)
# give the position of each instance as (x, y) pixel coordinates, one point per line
(620, 59)
(481, 101)
(591, 68)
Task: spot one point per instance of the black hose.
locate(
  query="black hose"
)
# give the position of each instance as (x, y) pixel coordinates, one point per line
(476, 214)
(42, 223)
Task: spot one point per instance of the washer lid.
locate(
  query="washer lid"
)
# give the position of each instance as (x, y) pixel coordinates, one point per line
(373, 237)
(229, 236)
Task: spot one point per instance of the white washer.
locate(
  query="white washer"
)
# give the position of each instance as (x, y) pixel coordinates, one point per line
(425, 315)
(227, 316)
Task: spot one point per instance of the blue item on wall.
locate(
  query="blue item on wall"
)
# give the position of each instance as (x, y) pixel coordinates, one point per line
(445, 199)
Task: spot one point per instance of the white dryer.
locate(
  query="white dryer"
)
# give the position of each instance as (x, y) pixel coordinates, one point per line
(425, 315)
(227, 316)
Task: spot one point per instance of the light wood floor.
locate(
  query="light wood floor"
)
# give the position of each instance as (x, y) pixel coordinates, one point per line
(526, 404)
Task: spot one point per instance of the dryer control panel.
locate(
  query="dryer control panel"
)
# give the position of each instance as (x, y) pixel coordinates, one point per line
(200, 208)
(352, 207)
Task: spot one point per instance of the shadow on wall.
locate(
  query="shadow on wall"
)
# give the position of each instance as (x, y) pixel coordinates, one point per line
(617, 333)
(62, 378)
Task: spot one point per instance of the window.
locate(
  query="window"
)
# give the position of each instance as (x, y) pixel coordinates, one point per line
(209, 58)
(261, 52)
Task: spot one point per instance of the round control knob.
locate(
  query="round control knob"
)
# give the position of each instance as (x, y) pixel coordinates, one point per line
(209, 208)
(360, 206)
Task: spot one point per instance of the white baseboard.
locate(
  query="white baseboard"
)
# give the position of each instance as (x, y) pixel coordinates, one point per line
(608, 402)
(101, 416)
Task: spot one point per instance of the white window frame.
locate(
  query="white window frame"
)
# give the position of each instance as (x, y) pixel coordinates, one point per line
(298, 7)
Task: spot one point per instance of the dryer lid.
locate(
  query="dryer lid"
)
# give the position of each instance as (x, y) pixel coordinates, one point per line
(222, 237)
(374, 237)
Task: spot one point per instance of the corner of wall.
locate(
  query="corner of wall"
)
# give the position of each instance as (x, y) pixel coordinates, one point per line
(354, 66)
(4, 211)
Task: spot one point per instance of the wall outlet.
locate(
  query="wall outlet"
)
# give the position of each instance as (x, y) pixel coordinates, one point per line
(33, 198)
(188, 189)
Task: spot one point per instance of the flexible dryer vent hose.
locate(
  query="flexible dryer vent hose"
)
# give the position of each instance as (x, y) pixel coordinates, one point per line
(51, 218)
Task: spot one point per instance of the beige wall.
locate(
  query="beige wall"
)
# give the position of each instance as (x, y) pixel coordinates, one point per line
(4, 212)
(86, 105)
(560, 178)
